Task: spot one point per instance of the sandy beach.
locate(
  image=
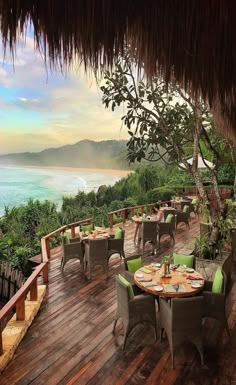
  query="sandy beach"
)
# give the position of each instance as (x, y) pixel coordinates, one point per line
(105, 171)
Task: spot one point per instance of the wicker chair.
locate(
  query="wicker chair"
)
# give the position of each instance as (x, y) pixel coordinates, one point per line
(182, 321)
(116, 245)
(227, 268)
(166, 229)
(182, 217)
(133, 311)
(130, 276)
(214, 303)
(149, 233)
(72, 250)
(168, 211)
(233, 241)
(96, 254)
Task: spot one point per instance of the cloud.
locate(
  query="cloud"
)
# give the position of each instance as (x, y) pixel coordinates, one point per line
(40, 109)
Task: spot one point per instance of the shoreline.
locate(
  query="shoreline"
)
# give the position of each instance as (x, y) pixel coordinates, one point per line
(106, 171)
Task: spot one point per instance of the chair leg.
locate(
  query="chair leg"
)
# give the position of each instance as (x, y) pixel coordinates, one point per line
(114, 326)
(227, 327)
(173, 358)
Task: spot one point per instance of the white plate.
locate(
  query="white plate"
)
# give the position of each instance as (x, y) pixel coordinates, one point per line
(196, 285)
(189, 270)
(139, 275)
(156, 264)
(158, 288)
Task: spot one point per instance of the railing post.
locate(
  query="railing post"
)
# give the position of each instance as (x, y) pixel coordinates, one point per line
(72, 231)
(142, 210)
(132, 211)
(20, 309)
(47, 240)
(111, 220)
(34, 291)
(45, 273)
(150, 210)
(124, 215)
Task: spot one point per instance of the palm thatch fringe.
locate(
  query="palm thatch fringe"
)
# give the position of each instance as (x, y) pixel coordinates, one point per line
(193, 41)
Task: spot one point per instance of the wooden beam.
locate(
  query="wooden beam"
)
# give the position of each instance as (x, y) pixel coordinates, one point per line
(34, 291)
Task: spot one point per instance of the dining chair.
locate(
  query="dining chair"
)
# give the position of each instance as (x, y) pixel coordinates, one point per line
(130, 275)
(181, 318)
(166, 229)
(116, 246)
(72, 249)
(133, 309)
(182, 217)
(96, 254)
(149, 233)
(214, 303)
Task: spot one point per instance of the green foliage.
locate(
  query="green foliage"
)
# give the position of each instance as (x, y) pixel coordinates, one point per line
(164, 193)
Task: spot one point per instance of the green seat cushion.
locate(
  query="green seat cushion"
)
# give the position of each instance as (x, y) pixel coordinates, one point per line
(194, 201)
(128, 285)
(218, 281)
(89, 227)
(183, 260)
(186, 209)
(134, 264)
(65, 238)
(169, 218)
(118, 233)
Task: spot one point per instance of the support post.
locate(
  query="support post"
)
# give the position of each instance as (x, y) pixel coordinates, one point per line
(111, 220)
(34, 291)
(48, 247)
(45, 274)
(72, 231)
(124, 215)
(20, 309)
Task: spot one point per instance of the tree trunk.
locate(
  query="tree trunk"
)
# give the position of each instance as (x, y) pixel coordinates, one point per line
(194, 169)
(216, 190)
(200, 187)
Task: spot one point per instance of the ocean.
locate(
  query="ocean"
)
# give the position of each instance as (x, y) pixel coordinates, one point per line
(18, 184)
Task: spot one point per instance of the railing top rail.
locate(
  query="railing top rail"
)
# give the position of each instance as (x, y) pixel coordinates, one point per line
(63, 228)
(137, 207)
(21, 292)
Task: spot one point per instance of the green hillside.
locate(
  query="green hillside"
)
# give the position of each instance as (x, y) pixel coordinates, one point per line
(86, 153)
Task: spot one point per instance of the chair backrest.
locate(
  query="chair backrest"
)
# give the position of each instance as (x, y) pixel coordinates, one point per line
(98, 248)
(233, 241)
(129, 259)
(75, 248)
(186, 314)
(75, 240)
(226, 271)
(167, 212)
(149, 229)
(122, 298)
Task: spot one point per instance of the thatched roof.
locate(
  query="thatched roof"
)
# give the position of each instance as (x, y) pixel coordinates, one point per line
(192, 40)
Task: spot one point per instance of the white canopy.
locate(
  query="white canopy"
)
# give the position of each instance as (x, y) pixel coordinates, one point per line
(200, 163)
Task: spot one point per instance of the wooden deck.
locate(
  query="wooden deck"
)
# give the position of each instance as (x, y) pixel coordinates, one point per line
(70, 340)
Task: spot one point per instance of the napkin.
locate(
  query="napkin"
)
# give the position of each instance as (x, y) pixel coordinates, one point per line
(144, 279)
(145, 270)
(149, 284)
(192, 278)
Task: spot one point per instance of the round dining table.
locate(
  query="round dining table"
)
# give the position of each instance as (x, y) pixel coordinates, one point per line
(181, 282)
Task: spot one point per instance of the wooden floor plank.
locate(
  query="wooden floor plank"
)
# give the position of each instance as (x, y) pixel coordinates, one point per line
(71, 343)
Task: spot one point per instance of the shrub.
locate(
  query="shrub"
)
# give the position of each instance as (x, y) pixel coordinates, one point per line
(163, 193)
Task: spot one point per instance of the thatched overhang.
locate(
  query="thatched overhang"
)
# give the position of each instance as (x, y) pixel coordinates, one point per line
(192, 40)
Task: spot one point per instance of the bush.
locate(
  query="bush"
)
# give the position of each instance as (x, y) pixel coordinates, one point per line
(129, 202)
(160, 194)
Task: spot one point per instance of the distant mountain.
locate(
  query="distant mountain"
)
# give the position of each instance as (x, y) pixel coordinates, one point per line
(86, 153)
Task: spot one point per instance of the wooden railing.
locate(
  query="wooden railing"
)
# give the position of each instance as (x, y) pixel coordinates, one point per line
(123, 212)
(17, 302)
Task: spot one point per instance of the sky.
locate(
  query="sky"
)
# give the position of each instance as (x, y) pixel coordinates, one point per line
(40, 109)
